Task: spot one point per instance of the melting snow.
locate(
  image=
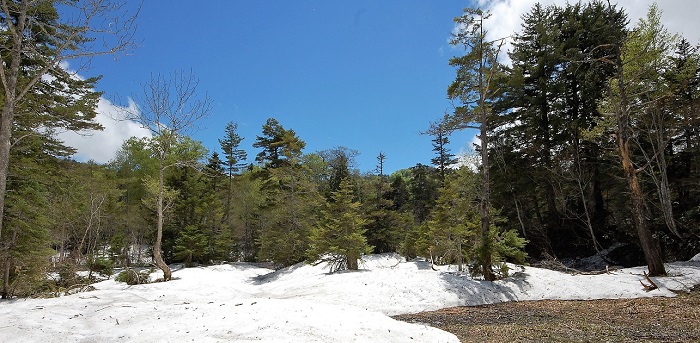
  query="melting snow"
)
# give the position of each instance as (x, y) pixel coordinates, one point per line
(303, 303)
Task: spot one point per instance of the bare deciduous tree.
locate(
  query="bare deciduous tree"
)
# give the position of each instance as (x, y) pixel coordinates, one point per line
(171, 110)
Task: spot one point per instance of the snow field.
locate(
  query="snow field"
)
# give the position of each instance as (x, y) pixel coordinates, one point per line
(302, 303)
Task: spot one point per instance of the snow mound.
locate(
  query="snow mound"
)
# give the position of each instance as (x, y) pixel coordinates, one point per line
(303, 303)
(695, 258)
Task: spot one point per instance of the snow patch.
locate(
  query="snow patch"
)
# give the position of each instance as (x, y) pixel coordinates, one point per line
(303, 303)
(695, 258)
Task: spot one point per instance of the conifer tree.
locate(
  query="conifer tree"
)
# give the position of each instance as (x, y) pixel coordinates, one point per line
(443, 159)
(423, 189)
(291, 202)
(191, 244)
(220, 238)
(475, 88)
(36, 40)
(381, 159)
(339, 239)
(385, 225)
(279, 145)
(291, 197)
(451, 232)
(341, 162)
(234, 159)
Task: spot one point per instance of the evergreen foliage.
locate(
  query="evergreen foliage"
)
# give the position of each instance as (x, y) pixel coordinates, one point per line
(591, 135)
(385, 226)
(279, 145)
(289, 213)
(452, 231)
(190, 245)
(338, 238)
(39, 94)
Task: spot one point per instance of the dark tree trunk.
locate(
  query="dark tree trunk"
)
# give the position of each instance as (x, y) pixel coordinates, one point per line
(650, 246)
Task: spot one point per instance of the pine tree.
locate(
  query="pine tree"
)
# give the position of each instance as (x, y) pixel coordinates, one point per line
(549, 175)
(279, 145)
(454, 223)
(339, 239)
(386, 227)
(381, 159)
(26, 239)
(475, 87)
(340, 161)
(423, 189)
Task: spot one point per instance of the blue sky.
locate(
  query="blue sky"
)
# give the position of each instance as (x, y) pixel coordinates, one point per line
(366, 75)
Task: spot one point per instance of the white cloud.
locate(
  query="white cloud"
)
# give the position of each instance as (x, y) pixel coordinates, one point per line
(101, 146)
(679, 16)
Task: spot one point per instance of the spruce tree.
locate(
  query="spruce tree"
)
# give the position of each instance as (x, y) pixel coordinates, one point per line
(339, 239)
(288, 213)
(191, 244)
(443, 159)
(385, 226)
(279, 145)
(234, 159)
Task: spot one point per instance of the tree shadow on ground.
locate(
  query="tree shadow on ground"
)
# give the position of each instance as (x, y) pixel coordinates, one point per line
(474, 292)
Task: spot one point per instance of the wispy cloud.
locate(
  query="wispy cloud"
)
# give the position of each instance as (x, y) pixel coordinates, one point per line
(101, 146)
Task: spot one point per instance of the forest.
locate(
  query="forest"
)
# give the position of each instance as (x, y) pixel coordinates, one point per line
(589, 139)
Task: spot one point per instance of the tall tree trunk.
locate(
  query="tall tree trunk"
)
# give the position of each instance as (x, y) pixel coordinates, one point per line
(5, 143)
(9, 81)
(485, 208)
(157, 254)
(650, 246)
(578, 176)
(7, 265)
(6, 277)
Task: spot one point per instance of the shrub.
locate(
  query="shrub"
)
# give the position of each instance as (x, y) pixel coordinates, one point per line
(134, 277)
(102, 266)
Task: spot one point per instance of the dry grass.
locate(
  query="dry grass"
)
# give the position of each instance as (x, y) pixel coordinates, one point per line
(626, 320)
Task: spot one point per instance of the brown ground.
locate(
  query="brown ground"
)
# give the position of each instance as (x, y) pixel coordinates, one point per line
(628, 320)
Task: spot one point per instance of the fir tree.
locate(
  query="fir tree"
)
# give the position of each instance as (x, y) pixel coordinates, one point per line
(288, 214)
(339, 239)
(191, 244)
(443, 159)
(234, 159)
(291, 197)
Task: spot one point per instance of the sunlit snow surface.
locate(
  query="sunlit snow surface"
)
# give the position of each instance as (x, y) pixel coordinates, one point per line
(303, 303)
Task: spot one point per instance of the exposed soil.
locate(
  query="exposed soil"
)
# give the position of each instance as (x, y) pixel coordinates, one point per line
(625, 320)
